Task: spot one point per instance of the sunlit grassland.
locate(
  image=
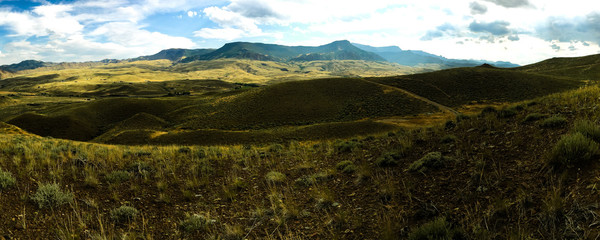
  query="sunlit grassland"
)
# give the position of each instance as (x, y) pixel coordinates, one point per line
(80, 78)
(491, 169)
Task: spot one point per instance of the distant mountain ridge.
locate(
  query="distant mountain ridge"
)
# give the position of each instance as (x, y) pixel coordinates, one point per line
(174, 54)
(25, 65)
(338, 50)
(415, 57)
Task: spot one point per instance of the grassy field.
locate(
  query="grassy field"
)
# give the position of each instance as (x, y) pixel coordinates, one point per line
(489, 175)
(146, 150)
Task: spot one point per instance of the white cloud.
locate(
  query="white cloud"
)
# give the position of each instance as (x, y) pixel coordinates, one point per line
(115, 32)
(230, 19)
(192, 14)
(220, 33)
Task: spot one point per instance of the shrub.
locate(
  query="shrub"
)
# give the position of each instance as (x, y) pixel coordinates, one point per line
(572, 150)
(312, 179)
(533, 117)
(430, 160)
(436, 229)
(588, 129)
(345, 147)
(450, 138)
(123, 214)
(275, 177)
(6, 180)
(50, 195)
(449, 125)
(460, 117)
(554, 122)
(389, 159)
(507, 112)
(140, 168)
(194, 223)
(275, 148)
(346, 167)
(488, 110)
(117, 176)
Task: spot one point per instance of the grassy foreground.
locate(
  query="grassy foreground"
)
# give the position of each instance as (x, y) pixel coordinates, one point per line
(529, 171)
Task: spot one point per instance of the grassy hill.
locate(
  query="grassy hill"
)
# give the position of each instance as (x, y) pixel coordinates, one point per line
(455, 87)
(583, 68)
(307, 102)
(286, 104)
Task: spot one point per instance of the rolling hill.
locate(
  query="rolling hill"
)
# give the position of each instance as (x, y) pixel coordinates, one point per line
(459, 86)
(584, 68)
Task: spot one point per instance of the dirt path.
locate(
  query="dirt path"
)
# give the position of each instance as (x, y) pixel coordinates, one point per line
(440, 106)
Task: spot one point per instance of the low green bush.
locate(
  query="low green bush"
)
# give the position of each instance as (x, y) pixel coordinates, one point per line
(572, 150)
(345, 146)
(431, 160)
(6, 180)
(194, 223)
(309, 180)
(123, 214)
(507, 112)
(438, 229)
(117, 176)
(49, 195)
(554, 122)
(389, 159)
(346, 167)
(450, 138)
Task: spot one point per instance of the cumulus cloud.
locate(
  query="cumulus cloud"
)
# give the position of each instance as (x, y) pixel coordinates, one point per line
(498, 28)
(86, 30)
(253, 9)
(555, 47)
(477, 8)
(511, 3)
(439, 31)
(514, 38)
(571, 29)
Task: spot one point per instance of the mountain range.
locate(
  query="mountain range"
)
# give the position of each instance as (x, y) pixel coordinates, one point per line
(338, 50)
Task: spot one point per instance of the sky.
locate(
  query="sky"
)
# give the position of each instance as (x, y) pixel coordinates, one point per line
(519, 31)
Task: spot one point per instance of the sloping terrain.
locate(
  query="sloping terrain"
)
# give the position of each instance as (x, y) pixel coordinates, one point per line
(484, 176)
(583, 68)
(455, 87)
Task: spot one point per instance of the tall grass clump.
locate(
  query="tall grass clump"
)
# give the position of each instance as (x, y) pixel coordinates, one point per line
(533, 117)
(588, 129)
(274, 177)
(50, 195)
(6, 180)
(554, 122)
(436, 229)
(572, 150)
